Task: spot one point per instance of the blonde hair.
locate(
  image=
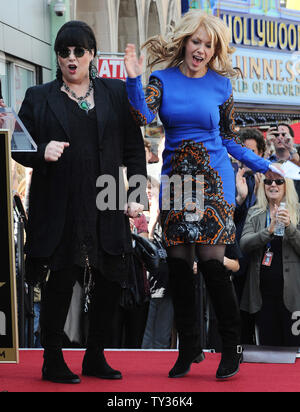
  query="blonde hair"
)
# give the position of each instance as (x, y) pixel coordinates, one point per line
(291, 199)
(169, 50)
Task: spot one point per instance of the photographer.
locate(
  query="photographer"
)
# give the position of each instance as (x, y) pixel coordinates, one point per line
(280, 141)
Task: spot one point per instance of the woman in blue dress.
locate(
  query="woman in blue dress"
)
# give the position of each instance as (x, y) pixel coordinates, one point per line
(193, 95)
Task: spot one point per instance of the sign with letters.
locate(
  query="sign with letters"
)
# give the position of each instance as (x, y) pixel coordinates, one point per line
(112, 68)
(8, 304)
(270, 78)
(268, 54)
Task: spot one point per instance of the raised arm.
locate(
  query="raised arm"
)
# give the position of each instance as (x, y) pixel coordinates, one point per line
(144, 106)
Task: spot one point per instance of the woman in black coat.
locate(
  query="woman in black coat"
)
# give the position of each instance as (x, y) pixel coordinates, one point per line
(83, 129)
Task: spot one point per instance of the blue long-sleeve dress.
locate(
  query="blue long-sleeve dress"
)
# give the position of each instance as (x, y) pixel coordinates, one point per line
(197, 115)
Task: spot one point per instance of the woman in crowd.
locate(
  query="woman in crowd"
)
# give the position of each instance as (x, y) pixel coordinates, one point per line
(272, 290)
(83, 129)
(193, 95)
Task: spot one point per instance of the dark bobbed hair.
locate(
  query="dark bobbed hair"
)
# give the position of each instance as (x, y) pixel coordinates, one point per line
(292, 133)
(75, 33)
(254, 134)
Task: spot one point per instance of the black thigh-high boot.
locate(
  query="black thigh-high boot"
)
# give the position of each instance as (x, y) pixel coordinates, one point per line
(105, 303)
(182, 287)
(56, 299)
(222, 294)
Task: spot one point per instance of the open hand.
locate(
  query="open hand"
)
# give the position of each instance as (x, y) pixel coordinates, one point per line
(271, 135)
(277, 169)
(241, 186)
(257, 177)
(134, 66)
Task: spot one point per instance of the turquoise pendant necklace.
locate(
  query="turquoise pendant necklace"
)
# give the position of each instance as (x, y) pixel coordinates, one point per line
(81, 101)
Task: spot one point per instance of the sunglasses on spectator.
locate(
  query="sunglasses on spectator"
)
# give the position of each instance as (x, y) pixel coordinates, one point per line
(78, 52)
(278, 182)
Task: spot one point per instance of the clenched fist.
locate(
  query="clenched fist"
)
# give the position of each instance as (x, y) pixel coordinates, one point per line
(54, 150)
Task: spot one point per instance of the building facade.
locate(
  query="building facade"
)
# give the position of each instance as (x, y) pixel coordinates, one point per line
(118, 22)
(28, 29)
(25, 47)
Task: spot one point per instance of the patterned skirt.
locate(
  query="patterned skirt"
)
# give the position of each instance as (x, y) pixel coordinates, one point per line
(196, 212)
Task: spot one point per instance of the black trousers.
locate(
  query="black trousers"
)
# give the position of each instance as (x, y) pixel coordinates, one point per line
(56, 301)
(275, 324)
(129, 328)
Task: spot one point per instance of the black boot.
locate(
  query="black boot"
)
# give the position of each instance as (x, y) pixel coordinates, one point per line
(55, 369)
(222, 294)
(102, 311)
(182, 286)
(94, 364)
(188, 353)
(229, 366)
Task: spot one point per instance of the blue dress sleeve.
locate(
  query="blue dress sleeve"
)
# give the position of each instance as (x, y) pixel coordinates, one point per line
(232, 141)
(144, 106)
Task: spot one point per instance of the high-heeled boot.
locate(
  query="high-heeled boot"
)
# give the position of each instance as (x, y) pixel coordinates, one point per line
(222, 294)
(182, 287)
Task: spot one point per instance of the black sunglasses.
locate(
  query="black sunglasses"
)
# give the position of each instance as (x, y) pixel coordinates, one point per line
(78, 52)
(278, 182)
(277, 134)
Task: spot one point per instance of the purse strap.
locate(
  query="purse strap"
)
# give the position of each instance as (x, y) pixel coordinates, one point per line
(88, 282)
(157, 238)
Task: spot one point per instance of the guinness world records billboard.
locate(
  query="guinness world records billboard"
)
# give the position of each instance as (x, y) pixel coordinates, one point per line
(268, 54)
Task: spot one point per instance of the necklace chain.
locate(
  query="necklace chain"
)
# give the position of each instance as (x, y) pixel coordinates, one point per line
(82, 100)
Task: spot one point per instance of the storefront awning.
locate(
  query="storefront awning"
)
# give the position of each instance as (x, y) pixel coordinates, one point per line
(264, 119)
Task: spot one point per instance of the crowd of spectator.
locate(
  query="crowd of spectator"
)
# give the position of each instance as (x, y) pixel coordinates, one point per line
(269, 296)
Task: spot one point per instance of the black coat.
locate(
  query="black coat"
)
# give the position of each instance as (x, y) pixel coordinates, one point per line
(44, 115)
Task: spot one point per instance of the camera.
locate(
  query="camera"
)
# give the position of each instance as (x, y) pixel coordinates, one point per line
(59, 8)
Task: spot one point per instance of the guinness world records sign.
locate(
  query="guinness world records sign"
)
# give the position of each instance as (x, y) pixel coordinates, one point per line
(9, 351)
(268, 54)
